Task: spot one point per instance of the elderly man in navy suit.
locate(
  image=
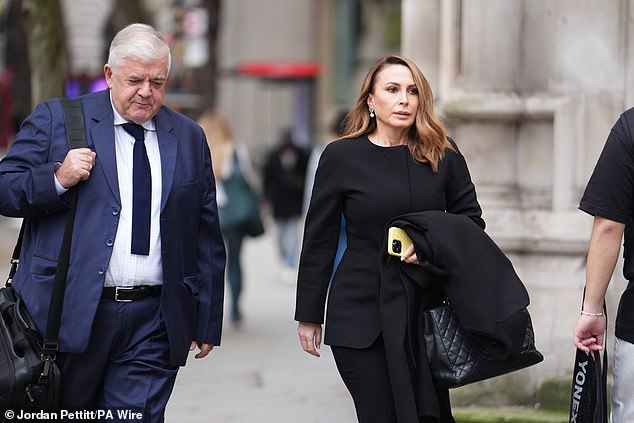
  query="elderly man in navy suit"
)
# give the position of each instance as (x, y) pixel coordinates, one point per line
(145, 281)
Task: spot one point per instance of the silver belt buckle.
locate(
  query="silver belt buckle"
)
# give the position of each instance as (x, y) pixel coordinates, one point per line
(122, 288)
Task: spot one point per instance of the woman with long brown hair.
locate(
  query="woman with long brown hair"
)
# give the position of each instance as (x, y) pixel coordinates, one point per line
(394, 158)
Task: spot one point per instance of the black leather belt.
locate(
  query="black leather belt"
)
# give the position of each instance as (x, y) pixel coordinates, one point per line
(130, 293)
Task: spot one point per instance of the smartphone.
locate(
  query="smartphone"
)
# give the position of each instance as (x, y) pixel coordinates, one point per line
(397, 241)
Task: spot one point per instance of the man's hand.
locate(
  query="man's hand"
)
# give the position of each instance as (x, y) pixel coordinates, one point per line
(603, 253)
(76, 167)
(310, 337)
(588, 333)
(204, 349)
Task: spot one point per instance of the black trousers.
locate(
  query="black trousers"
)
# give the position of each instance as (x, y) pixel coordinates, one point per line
(364, 371)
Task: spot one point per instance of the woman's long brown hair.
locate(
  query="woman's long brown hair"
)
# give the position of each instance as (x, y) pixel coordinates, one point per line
(427, 138)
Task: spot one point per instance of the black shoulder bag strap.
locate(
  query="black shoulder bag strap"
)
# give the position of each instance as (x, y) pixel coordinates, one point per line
(76, 135)
(588, 399)
(15, 257)
(601, 413)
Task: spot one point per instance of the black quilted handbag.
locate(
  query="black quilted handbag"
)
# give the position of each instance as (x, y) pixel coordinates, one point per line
(456, 359)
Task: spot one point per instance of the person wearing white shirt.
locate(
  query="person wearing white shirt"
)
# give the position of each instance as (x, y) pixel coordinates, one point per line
(145, 280)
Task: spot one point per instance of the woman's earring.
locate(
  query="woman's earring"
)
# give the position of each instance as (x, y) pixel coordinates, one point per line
(371, 109)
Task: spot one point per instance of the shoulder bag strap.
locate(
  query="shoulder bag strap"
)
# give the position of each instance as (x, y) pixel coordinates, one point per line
(602, 405)
(15, 257)
(601, 408)
(76, 134)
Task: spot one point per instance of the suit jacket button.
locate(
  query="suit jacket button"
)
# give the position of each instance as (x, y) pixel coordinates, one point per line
(109, 243)
(102, 270)
(115, 212)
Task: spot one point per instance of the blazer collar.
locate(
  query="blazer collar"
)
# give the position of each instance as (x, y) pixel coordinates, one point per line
(102, 137)
(168, 145)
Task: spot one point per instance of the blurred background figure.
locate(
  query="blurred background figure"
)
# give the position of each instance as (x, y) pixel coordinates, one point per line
(335, 132)
(284, 178)
(238, 206)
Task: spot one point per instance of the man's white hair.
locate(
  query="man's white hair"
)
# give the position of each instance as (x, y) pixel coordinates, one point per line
(138, 42)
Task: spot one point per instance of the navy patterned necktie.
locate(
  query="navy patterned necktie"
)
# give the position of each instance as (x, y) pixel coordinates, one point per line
(141, 191)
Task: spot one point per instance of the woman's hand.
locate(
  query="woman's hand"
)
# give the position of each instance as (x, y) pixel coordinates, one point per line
(310, 337)
(409, 255)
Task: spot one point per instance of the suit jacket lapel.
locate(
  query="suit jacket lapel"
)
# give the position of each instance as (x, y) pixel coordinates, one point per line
(168, 147)
(102, 137)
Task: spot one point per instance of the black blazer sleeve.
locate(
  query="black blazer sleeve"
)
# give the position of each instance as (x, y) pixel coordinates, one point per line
(460, 191)
(321, 235)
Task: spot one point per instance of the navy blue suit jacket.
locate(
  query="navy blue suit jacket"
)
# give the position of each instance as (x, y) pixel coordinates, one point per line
(193, 255)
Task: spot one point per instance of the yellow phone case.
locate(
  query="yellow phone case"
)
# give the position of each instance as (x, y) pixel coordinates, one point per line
(397, 241)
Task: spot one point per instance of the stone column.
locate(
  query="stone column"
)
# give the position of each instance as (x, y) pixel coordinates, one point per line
(420, 36)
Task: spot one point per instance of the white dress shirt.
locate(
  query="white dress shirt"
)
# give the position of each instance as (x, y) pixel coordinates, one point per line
(125, 268)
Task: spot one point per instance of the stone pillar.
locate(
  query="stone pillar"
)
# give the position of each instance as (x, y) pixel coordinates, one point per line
(530, 90)
(420, 36)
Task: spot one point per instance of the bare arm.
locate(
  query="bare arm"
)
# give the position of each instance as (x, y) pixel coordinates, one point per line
(603, 253)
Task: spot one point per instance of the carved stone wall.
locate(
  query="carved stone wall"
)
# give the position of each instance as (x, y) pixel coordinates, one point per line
(530, 90)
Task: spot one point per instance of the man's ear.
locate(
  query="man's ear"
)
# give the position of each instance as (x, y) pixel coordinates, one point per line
(107, 73)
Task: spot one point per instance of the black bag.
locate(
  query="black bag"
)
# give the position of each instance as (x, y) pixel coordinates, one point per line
(29, 375)
(588, 395)
(29, 378)
(456, 358)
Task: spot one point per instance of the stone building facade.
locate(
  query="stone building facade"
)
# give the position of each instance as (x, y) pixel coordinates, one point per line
(530, 90)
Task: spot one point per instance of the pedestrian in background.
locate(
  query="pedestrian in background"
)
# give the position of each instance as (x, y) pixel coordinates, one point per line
(232, 166)
(284, 178)
(145, 281)
(609, 197)
(394, 158)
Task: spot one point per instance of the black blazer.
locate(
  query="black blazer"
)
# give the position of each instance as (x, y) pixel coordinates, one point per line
(370, 185)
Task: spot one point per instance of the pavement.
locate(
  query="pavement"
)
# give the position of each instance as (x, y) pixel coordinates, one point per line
(259, 373)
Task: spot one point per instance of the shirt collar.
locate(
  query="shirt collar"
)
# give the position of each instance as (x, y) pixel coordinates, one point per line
(120, 120)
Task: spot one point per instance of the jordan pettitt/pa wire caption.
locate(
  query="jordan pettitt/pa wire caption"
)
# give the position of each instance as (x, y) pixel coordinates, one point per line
(29, 415)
